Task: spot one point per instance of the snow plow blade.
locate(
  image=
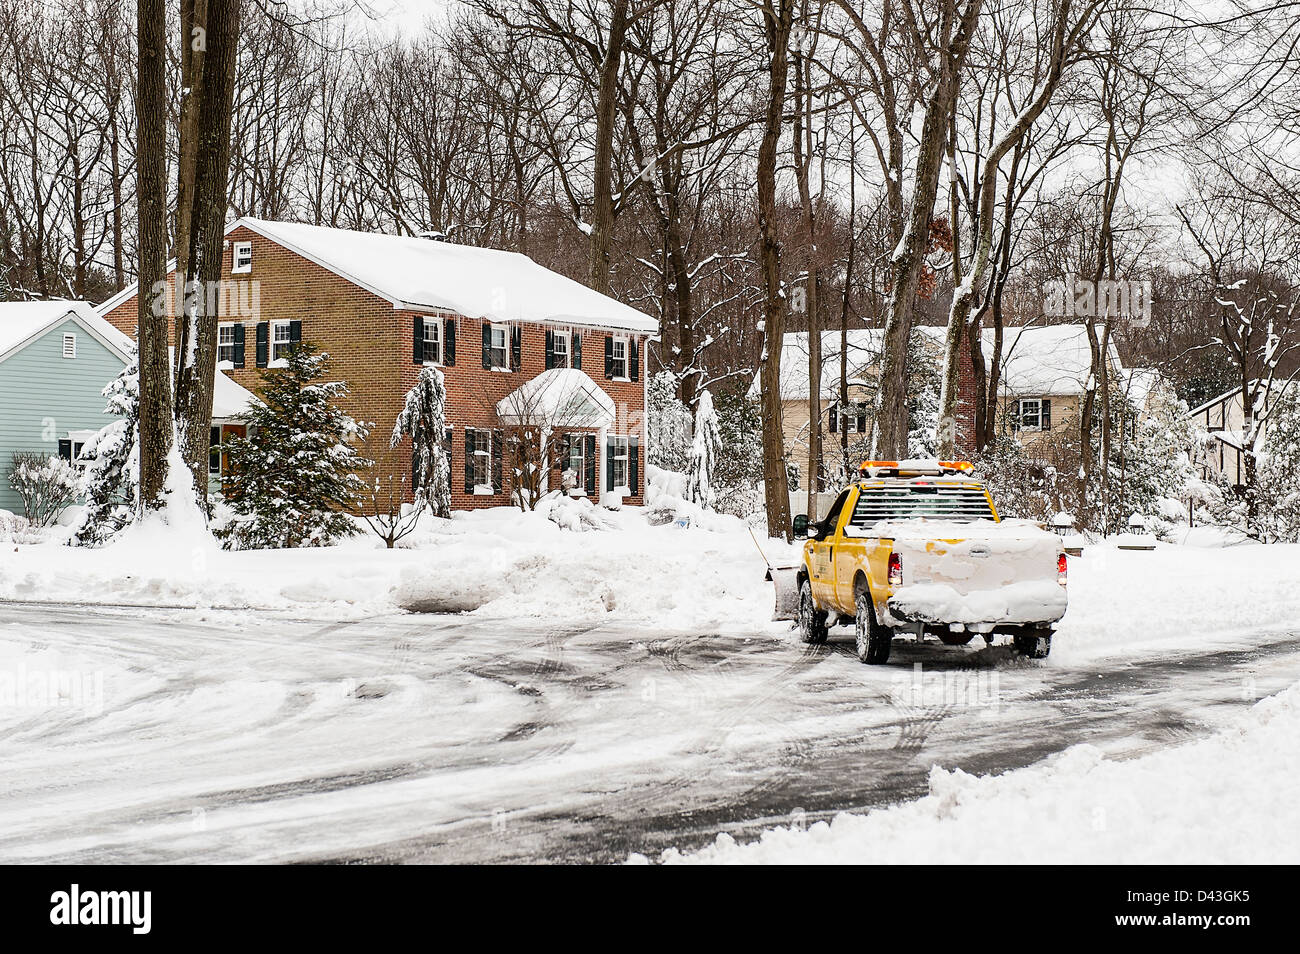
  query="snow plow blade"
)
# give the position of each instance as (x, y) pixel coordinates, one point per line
(785, 581)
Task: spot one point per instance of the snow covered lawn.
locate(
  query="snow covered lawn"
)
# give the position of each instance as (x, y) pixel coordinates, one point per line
(503, 563)
(1228, 799)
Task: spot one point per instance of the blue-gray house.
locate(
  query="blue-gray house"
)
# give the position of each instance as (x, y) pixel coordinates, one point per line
(55, 359)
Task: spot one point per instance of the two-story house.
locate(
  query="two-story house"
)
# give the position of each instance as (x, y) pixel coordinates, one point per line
(385, 306)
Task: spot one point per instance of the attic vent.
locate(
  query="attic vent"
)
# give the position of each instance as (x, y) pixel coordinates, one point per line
(70, 345)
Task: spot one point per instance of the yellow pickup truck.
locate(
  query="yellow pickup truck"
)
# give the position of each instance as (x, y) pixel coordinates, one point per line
(918, 547)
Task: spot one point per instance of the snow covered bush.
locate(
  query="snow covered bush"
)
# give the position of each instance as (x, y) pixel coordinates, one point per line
(1151, 467)
(113, 468)
(579, 514)
(739, 472)
(424, 420)
(668, 424)
(44, 484)
(706, 448)
(294, 477)
(1021, 486)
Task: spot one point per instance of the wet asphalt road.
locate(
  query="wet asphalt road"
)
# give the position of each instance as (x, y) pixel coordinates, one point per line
(225, 737)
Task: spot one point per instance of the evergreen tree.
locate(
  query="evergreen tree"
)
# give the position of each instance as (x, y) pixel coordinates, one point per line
(424, 420)
(704, 453)
(113, 472)
(668, 424)
(295, 474)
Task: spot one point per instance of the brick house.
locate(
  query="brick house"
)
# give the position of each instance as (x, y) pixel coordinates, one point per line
(385, 306)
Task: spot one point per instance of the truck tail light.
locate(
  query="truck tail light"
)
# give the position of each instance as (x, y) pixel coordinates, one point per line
(895, 570)
(1062, 569)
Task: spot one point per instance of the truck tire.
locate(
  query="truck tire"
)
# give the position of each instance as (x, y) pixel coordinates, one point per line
(1033, 644)
(812, 621)
(873, 640)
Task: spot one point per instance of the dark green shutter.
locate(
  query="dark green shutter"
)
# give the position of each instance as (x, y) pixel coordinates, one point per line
(565, 452)
(1047, 414)
(487, 346)
(516, 348)
(65, 449)
(469, 458)
(295, 334)
(589, 463)
(417, 340)
(632, 470)
(550, 349)
(862, 420)
(576, 348)
(609, 357)
(497, 485)
(833, 417)
(633, 359)
(261, 343)
(609, 463)
(449, 342)
(239, 346)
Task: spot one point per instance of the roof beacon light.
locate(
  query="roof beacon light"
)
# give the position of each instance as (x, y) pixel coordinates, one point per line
(899, 468)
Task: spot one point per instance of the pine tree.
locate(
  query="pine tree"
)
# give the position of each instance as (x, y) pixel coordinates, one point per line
(113, 474)
(703, 457)
(295, 474)
(424, 420)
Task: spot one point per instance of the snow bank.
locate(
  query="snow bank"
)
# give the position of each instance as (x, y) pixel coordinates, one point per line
(1228, 799)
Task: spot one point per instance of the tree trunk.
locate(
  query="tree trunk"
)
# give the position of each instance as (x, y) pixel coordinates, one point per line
(602, 224)
(151, 206)
(778, 15)
(197, 352)
(908, 259)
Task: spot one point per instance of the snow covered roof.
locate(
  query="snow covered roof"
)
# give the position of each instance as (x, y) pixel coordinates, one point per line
(1046, 359)
(230, 399)
(23, 321)
(560, 397)
(421, 274)
(864, 345)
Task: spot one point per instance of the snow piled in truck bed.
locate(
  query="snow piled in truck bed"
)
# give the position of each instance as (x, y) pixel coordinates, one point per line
(1029, 601)
(1228, 799)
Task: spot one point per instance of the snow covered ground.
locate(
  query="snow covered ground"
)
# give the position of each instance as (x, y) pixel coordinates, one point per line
(1228, 799)
(622, 691)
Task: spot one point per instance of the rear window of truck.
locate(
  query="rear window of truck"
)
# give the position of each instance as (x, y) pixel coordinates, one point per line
(906, 501)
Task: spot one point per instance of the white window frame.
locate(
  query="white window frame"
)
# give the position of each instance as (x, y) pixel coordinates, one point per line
(578, 464)
(482, 458)
(561, 358)
(226, 363)
(272, 342)
(504, 331)
(69, 344)
(436, 324)
(241, 258)
(622, 444)
(1021, 414)
(626, 373)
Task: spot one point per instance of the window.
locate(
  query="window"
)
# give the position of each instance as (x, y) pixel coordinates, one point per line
(479, 461)
(618, 360)
(432, 340)
(70, 448)
(70, 345)
(241, 259)
(618, 462)
(281, 341)
(226, 345)
(560, 350)
(1029, 414)
(498, 341)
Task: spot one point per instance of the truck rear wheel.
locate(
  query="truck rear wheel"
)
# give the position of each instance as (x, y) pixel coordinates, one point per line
(812, 621)
(1034, 643)
(873, 640)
